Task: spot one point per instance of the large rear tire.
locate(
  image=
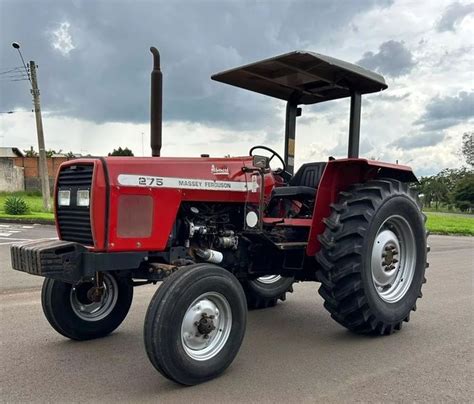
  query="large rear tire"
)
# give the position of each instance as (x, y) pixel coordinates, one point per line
(373, 257)
(195, 323)
(265, 291)
(71, 312)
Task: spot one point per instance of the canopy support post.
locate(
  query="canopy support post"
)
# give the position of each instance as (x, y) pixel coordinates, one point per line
(354, 125)
(292, 111)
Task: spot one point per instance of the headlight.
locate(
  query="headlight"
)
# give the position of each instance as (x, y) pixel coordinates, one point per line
(64, 198)
(82, 198)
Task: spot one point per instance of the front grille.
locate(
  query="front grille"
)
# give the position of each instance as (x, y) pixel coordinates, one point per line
(74, 221)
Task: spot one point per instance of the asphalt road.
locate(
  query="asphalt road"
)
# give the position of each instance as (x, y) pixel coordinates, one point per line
(292, 353)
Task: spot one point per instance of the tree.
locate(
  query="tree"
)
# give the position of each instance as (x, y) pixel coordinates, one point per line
(463, 194)
(467, 148)
(121, 152)
(50, 153)
(31, 152)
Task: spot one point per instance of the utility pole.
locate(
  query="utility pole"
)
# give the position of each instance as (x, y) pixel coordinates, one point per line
(43, 164)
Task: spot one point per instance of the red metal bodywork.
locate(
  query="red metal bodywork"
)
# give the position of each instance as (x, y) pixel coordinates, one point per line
(338, 176)
(106, 191)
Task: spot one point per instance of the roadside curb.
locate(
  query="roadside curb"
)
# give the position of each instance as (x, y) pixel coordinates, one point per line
(26, 220)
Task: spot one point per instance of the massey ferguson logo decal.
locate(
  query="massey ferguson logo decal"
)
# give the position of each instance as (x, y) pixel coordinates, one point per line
(131, 180)
(219, 170)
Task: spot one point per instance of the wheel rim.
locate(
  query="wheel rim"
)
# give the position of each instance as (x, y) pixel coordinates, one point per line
(269, 279)
(393, 259)
(206, 326)
(88, 310)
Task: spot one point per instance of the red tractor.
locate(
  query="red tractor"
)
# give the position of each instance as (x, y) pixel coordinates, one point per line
(227, 234)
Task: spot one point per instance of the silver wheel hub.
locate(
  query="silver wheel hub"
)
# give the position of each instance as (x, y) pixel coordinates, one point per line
(87, 309)
(206, 326)
(393, 259)
(269, 279)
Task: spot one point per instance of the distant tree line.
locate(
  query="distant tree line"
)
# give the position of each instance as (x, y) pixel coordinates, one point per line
(31, 152)
(121, 152)
(451, 188)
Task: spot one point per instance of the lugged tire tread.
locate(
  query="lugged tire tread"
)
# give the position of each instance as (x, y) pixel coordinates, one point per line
(339, 274)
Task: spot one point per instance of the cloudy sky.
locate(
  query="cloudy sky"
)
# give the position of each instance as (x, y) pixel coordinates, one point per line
(94, 67)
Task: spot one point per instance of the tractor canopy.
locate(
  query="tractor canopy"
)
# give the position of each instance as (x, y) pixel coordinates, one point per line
(306, 77)
(303, 77)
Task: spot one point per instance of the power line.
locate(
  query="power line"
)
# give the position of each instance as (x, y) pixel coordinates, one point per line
(17, 47)
(13, 74)
(25, 79)
(10, 69)
(14, 78)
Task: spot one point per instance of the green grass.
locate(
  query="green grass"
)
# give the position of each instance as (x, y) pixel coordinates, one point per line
(450, 223)
(438, 223)
(29, 217)
(35, 203)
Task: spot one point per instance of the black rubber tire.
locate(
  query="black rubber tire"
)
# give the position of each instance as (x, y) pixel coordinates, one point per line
(55, 299)
(163, 321)
(344, 259)
(260, 295)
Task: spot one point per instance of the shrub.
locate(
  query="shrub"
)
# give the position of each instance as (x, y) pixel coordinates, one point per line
(15, 205)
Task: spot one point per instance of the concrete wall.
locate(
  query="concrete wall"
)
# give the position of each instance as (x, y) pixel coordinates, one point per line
(11, 176)
(22, 173)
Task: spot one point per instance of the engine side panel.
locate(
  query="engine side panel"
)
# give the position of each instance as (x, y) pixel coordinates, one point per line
(166, 183)
(337, 177)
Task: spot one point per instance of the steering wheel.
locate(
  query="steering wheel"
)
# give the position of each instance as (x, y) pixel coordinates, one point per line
(274, 154)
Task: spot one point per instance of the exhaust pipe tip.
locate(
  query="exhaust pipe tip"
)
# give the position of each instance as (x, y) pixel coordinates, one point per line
(156, 58)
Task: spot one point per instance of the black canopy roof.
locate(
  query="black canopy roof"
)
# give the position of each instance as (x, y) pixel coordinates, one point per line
(305, 77)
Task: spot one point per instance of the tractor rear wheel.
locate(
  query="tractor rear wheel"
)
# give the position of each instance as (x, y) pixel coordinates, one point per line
(265, 291)
(373, 257)
(195, 323)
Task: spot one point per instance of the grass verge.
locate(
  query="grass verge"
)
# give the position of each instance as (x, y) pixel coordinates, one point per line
(450, 223)
(35, 203)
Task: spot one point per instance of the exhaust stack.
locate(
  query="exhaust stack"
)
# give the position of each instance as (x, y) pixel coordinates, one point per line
(156, 104)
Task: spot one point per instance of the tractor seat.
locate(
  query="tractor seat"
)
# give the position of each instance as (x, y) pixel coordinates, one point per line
(303, 184)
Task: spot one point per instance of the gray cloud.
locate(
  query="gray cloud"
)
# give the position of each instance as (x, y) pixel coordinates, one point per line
(444, 112)
(418, 140)
(453, 15)
(97, 67)
(393, 59)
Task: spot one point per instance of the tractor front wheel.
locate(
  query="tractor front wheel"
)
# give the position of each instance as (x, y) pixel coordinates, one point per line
(73, 312)
(265, 291)
(373, 257)
(195, 323)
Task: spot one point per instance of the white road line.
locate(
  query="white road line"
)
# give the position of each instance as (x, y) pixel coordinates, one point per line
(5, 234)
(12, 240)
(15, 238)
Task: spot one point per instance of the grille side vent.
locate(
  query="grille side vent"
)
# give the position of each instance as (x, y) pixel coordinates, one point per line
(74, 221)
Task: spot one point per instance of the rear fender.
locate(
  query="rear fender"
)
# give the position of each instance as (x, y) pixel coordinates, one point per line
(337, 177)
